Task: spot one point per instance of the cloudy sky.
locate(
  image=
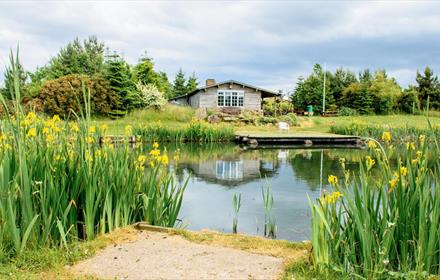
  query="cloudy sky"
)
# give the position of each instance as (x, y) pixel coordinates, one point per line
(269, 44)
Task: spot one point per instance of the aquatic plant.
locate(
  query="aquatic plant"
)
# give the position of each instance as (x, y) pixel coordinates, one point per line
(269, 218)
(58, 183)
(196, 131)
(236, 204)
(386, 225)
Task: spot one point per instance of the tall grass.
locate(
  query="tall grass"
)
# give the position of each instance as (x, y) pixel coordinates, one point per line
(269, 217)
(58, 184)
(385, 225)
(195, 131)
(400, 134)
(236, 204)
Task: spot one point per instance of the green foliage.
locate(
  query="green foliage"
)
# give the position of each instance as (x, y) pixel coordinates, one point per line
(192, 83)
(408, 101)
(118, 73)
(150, 96)
(386, 92)
(195, 131)
(11, 70)
(357, 96)
(338, 82)
(236, 204)
(309, 91)
(77, 57)
(345, 111)
(179, 87)
(276, 107)
(383, 226)
(64, 96)
(428, 88)
(144, 72)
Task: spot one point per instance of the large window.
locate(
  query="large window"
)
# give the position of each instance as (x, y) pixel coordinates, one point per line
(229, 170)
(230, 98)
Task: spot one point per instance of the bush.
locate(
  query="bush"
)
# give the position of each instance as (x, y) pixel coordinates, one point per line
(275, 107)
(345, 111)
(150, 96)
(408, 102)
(64, 96)
(291, 119)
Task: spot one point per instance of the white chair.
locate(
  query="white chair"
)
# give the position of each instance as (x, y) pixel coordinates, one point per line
(283, 126)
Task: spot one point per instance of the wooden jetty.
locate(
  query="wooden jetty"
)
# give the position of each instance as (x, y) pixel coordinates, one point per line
(305, 140)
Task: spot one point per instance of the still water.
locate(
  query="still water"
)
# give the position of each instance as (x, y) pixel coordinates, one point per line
(218, 172)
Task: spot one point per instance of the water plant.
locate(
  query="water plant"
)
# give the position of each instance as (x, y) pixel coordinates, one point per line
(236, 204)
(269, 218)
(59, 184)
(385, 225)
(196, 131)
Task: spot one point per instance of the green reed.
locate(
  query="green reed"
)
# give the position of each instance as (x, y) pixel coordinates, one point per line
(58, 183)
(386, 225)
(269, 218)
(236, 204)
(196, 131)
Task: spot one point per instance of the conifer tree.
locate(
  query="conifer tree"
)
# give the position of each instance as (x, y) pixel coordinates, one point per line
(428, 87)
(179, 87)
(192, 83)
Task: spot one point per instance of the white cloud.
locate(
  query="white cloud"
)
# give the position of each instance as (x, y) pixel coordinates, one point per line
(265, 43)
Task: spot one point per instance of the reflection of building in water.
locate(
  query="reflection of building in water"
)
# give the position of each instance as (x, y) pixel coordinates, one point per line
(229, 170)
(233, 169)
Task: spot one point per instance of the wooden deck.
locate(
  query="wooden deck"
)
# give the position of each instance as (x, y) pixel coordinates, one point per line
(299, 139)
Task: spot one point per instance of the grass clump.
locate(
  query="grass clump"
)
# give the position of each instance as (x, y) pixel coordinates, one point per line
(196, 131)
(383, 226)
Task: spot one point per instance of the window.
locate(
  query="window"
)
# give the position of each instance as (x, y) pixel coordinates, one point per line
(229, 170)
(230, 98)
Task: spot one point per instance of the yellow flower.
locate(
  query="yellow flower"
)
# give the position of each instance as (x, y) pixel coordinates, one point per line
(155, 145)
(419, 154)
(45, 130)
(393, 184)
(104, 127)
(58, 157)
(410, 146)
(333, 180)
(142, 158)
(372, 144)
(403, 171)
(92, 129)
(331, 198)
(90, 140)
(32, 132)
(370, 162)
(74, 127)
(56, 118)
(165, 160)
(422, 139)
(155, 153)
(151, 163)
(49, 138)
(386, 136)
(88, 156)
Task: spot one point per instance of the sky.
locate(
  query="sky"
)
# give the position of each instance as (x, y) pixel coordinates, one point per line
(265, 43)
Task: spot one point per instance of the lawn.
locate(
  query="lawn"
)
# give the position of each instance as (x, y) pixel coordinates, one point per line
(176, 117)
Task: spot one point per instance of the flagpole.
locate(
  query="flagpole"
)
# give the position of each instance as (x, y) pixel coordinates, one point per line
(323, 93)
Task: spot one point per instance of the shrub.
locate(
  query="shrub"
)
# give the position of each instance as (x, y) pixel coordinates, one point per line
(291, 119)
(64, 96)
(408, 102)
(275, 107)
(150, 96)
(345, 111)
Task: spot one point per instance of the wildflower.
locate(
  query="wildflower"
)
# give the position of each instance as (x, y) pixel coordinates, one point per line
(403, 171)
(370, 162)
(372, 144)
(155, 153)
(46, 130)
(49, 138)
(56, 118)
(58, 157)
(142, 158)
(333, 180)
(74, 127)
(98, 153)
(386, 136)
(165, 160)
(422, 139)
(92, 129)
(393, 184)
(88, 156)
(419, 154)
(155, 145)
(151, 163)
(414, 161)
(331, 198)
(32, 132)
(410, 146)
(141, 162)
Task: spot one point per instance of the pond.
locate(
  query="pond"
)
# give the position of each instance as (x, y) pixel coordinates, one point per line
(294, 175)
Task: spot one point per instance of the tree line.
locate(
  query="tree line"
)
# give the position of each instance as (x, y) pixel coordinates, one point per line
(365, 93)
(115, 86)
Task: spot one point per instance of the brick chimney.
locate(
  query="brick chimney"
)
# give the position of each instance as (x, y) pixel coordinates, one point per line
(210, 82)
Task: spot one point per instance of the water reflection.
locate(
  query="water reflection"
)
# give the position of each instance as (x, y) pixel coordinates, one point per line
(217, 172)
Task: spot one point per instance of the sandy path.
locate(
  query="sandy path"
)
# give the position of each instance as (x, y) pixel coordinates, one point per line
(157, 255)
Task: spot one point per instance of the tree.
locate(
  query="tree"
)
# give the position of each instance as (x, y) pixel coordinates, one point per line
(151, 96)
(179, 87)
(408, 101)
(144, 72)
(339, 81)
(118, 74)
(164, 85)
(385, 92)
(64, 96)
(8, 91)
(192, 83)
(309, 91)
(77, 57)
(428, 88)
